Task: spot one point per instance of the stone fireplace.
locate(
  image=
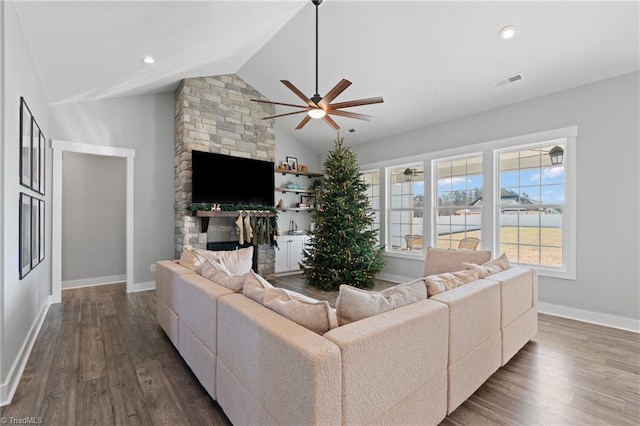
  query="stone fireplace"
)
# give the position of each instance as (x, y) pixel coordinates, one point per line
(215, 114)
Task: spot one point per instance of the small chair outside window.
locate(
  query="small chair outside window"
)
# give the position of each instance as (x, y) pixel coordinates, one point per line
(414, 242)
(469, 243)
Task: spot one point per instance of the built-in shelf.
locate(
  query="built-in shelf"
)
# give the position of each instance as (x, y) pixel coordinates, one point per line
(205, 215)
(295, 209)
(298, 173)
(299, 191)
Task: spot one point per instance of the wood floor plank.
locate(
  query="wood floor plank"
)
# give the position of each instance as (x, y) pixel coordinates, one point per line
(101, 358)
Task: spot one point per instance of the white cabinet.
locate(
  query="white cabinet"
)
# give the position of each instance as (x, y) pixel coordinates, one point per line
(289, 252)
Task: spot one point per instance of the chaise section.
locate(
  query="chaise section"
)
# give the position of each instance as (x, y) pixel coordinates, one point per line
(271, 370)
(519, 305)
(198, 315)
(167, 273)
(394, 366)
(474, 337)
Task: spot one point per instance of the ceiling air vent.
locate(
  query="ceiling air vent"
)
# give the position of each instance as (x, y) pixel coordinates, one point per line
(508, 80)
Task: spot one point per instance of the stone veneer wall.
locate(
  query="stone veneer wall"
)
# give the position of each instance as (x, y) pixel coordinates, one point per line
(215, 114)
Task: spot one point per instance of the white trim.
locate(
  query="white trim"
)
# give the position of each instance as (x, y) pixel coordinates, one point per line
(591, 317)
(149, 285)
(393, 278)
(91, 282)
(8, 389)
(60, 146)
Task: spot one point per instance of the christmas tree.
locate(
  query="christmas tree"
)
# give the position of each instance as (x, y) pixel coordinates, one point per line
(343, 248)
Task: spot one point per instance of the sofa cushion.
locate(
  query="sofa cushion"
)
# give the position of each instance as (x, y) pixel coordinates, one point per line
(192, 260)
(354, 304)
(218, 273)
(254, 287)
(438, 260)
(439, 283)
(312, 314)
(492, 267)
(237, 261)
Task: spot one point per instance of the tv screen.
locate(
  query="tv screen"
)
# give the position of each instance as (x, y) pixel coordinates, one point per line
(223, 179)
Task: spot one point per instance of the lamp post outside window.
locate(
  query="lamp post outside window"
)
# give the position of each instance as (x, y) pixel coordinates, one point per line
(556, 155)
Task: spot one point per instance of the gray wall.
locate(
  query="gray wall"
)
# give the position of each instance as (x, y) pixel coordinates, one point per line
(24, 301)
(607, 115)
(145, 124)
(93, 218)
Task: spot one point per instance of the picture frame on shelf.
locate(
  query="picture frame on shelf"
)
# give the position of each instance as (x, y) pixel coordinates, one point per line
(292, 163)
(26, 120)
(24, 229)
(308, 200)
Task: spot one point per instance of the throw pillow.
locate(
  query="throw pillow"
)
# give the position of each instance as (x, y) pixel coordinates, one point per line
(438, 260)
(312, 314)
(489, 268)
(238, 262)
(254, 286)
(218, 273)
(354, 304)
(190, 259)
(437, 284)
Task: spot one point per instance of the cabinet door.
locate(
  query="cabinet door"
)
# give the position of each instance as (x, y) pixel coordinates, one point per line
(295, 253)
(282, 255)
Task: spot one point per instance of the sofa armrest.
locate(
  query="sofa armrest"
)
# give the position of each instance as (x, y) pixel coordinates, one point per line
(167, 273)
(388, 357)
(275, 365)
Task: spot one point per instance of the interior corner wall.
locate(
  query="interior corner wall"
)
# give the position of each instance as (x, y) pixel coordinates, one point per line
(93, 219)
(607, 114)
(24, 302)
(145, 124)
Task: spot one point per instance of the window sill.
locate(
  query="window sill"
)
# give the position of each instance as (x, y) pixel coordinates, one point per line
(406, 255)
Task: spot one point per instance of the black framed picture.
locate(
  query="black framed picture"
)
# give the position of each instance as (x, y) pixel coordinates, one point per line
(35, 155)
(35, 232)
(26, 121)
(41, 246)
(24, 228)
(291, 163)
(41, 150)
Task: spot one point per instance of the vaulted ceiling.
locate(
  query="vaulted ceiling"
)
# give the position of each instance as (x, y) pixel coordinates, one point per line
(431, 61)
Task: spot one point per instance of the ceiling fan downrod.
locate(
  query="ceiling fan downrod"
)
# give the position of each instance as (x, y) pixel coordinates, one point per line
(316, 98)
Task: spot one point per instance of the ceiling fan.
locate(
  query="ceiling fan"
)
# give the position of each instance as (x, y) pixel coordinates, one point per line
(321, 107)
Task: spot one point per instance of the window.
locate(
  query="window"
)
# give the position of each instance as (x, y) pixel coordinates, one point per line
(372, 179)
(406, 211)
(532, 205)
(458, 200)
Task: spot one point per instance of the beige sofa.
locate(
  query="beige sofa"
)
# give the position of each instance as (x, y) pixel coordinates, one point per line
(411, 365)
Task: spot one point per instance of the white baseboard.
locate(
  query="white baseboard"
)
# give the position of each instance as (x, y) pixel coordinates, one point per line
(136, 287)
(607, 320)
(8, 389)
(90, 282)
(394, 278)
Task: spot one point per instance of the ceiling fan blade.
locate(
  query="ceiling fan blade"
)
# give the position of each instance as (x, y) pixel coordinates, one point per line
(333, 93)
(330, 122)
(279, 103)
(304, 121)
(284, 115)
(358, 102)
(301, 95)
(350, 114)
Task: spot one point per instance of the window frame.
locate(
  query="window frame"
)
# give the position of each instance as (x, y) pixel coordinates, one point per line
(381, 203)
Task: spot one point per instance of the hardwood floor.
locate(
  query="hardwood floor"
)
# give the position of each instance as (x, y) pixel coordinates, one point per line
(102, 359)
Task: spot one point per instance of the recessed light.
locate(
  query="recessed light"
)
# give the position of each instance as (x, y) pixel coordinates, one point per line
(508, 32)
(148, 60)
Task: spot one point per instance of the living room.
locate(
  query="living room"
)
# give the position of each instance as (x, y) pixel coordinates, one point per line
(592, 106)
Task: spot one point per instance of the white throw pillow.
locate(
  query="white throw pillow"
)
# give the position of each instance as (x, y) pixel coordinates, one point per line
(439, 283)
(312, 314)
(218, 273)
(254, 286)
(190, 259)
(238, 262)
(492, 267)
(354, 304)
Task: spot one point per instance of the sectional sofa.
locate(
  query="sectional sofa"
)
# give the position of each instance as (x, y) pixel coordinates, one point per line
(410, 365)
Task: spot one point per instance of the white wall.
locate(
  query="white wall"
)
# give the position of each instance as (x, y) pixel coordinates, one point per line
(93, 219)
(607, 115)
(24, 302)
(145, 124)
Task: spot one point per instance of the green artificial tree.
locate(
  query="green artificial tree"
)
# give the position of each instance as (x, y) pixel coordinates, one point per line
(343, 248)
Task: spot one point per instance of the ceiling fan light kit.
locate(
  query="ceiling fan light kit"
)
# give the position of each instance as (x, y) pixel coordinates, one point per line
(317, 106)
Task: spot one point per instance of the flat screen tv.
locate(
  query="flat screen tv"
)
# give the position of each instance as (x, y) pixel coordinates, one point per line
(223, 179)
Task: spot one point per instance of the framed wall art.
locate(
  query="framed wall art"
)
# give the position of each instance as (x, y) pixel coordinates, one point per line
(24, 242)
(35, 155)
(41, 246)
(41, 150)
(26, 120)
(35, 232)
